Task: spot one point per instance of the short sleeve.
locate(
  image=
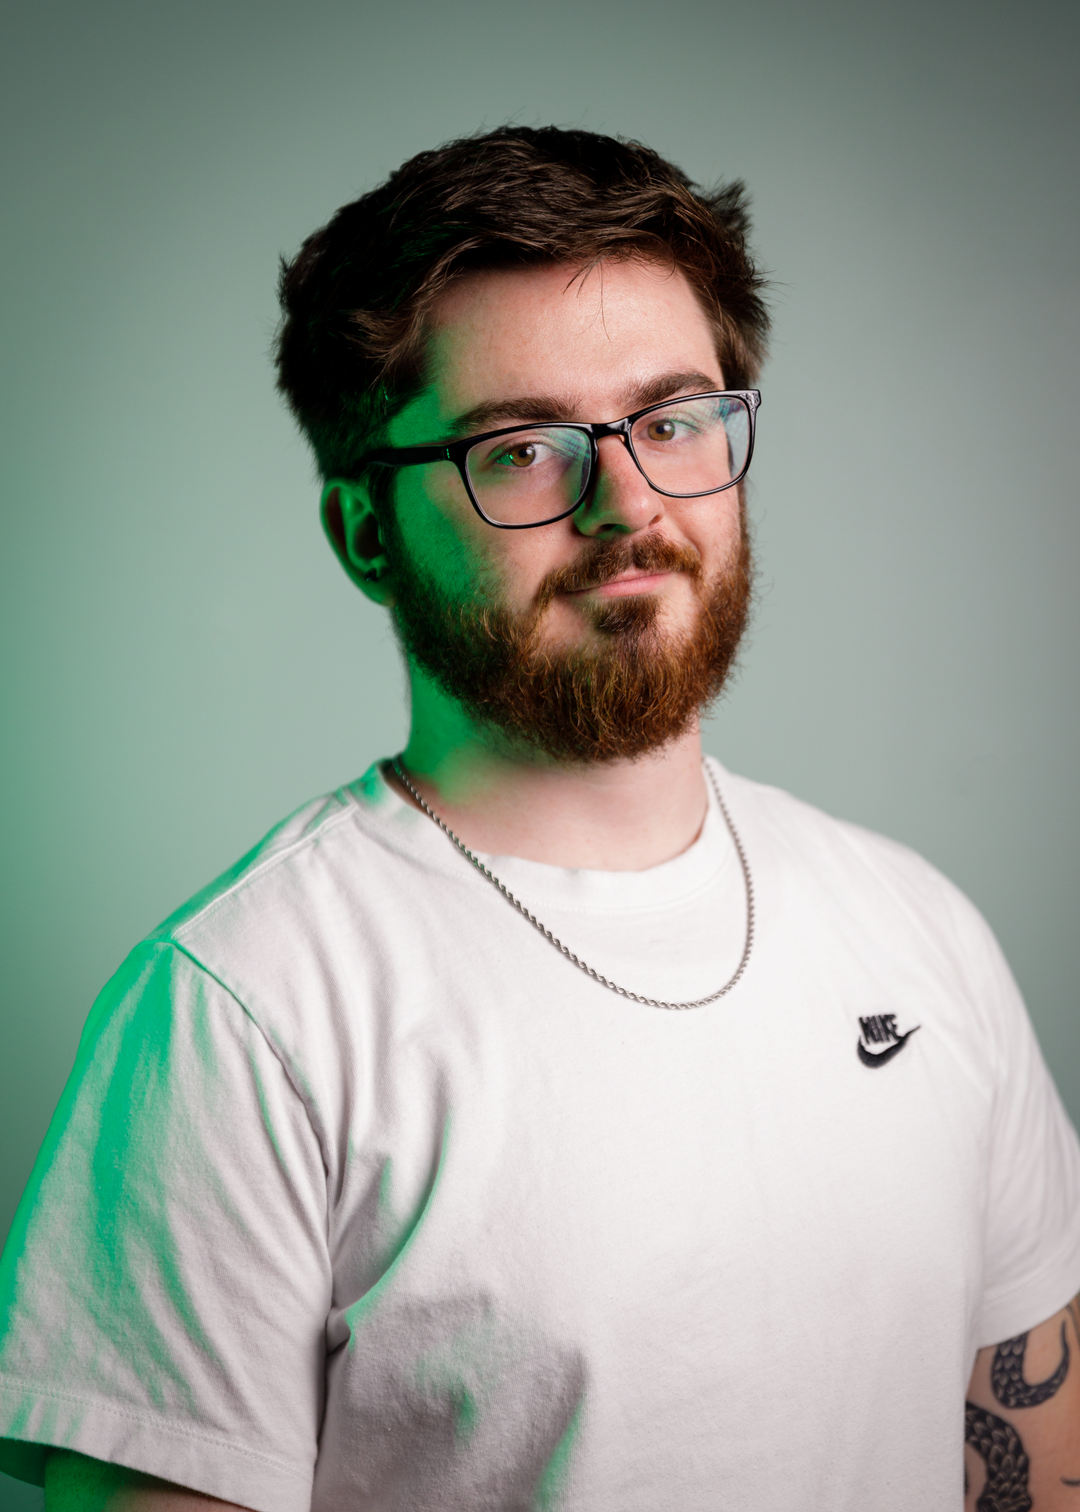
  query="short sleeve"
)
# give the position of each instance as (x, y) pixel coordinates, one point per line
(1032, 1245)
(164, 1290)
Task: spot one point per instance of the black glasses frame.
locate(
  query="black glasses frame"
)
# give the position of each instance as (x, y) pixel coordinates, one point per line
(458, 451)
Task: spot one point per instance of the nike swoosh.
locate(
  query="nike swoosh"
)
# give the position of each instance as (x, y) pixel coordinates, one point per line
(868, 1058)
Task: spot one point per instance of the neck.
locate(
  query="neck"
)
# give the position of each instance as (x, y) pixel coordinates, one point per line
(611, 816)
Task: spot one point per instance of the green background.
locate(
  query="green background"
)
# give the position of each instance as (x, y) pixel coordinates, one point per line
(183, 661)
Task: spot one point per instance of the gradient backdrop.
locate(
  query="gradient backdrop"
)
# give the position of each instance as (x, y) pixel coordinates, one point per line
(184, 662)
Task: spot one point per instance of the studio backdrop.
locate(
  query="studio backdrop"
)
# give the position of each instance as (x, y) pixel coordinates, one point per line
(183, 660)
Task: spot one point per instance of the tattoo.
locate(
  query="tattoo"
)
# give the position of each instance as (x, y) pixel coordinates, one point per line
(1007, 1374)
(998, 1445)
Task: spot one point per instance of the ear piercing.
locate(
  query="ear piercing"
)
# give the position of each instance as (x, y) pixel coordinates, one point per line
(373, 576)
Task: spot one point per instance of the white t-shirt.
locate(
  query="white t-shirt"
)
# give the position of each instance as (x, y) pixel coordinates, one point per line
(362, 1197)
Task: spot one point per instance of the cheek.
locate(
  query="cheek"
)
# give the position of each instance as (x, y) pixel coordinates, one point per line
(442, 535)
(452, 546)
(716, 528)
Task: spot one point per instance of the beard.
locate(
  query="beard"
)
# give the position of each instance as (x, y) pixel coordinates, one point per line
(632, 691)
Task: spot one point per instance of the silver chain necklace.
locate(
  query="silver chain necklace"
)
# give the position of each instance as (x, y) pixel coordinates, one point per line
(625, 992)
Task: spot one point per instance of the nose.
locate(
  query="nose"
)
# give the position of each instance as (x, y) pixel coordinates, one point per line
(620, 500)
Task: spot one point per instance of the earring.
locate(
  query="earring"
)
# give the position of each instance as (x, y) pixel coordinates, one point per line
(373, 576)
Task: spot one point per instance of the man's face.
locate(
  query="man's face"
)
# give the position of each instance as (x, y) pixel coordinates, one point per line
(634, 581)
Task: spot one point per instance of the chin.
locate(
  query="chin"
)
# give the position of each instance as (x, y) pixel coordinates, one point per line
(642, 618)
(600, 622)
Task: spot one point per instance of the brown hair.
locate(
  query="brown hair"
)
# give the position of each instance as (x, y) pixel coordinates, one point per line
(350, 350)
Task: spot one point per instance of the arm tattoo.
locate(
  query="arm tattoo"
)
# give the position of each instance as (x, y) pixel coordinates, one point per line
(998, 1445)
(1007, 1374)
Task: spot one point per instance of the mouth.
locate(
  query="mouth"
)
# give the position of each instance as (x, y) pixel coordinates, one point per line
(626, 583)
(635, 567)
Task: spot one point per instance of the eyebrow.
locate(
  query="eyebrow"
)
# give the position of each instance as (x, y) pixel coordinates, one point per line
(547, 409)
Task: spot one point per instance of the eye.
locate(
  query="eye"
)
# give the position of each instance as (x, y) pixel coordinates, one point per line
(661, 430)
(522, 455)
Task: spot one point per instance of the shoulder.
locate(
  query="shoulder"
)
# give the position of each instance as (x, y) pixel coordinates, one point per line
(327, 842)
(800, 831)
(304, 904)
(868, 882)
(309, 829)
(283, 949)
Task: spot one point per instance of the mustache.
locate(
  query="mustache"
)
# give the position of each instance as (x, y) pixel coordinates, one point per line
(603, 561)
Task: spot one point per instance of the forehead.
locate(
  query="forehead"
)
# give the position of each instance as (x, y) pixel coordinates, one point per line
(592, 335)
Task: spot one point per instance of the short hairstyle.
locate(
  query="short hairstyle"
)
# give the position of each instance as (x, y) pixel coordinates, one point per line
(355, 299)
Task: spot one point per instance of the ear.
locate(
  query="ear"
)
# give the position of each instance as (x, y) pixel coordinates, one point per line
(352, 528)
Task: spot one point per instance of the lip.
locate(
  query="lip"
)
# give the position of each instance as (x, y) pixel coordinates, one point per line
(626, 583)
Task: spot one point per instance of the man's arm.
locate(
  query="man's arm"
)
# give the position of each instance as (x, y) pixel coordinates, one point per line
(1023, 1421)
(74, 1483)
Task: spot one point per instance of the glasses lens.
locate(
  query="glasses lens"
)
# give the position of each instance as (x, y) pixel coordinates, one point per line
(529, 476)
(694, 446)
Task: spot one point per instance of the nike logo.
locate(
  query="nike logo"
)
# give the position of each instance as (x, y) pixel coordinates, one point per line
(878, 1058)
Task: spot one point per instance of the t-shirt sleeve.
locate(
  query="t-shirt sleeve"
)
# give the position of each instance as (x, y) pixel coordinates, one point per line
(164, 1290)
(1032, 1244)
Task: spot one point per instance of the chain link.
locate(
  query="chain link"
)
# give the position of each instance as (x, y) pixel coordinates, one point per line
(584, 966)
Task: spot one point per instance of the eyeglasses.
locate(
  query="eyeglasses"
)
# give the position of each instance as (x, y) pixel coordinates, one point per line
(528, 475)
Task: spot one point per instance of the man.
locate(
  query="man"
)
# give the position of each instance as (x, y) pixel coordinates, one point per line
(549, 1119)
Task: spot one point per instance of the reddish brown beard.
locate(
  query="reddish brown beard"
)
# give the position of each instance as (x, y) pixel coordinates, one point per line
(635, 692)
